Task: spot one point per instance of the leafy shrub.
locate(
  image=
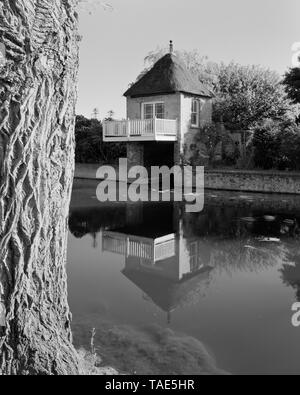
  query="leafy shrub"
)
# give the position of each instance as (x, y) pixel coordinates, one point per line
(276, 145)
(211, 135)
(266, 145)
(90, 147)
(230, 150)
(292, 84)
(289, 151)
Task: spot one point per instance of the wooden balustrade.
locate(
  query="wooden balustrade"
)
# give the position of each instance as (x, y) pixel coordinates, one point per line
(140, 130)
(139, 247)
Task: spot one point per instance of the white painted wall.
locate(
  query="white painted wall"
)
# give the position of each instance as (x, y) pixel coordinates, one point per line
(172, 105)
(177, 106)
(188, 132)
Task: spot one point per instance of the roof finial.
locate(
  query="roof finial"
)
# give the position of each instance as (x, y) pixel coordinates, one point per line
(171, 47)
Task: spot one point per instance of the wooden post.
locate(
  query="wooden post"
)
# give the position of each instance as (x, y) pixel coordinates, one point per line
(104, 130)
(128, 129)
(154, 128)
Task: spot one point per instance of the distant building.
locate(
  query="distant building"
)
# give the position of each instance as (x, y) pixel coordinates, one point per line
(165, 109)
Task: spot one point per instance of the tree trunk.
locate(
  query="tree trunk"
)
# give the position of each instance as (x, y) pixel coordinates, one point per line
(37, 108)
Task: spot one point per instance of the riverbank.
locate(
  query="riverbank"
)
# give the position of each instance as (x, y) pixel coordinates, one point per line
(253, 181)
(257, 181)
(85, 199)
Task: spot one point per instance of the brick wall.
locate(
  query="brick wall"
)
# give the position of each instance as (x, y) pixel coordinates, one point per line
(253, 181)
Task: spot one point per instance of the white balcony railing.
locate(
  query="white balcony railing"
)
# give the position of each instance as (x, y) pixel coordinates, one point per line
(140, 130)
(153, 250)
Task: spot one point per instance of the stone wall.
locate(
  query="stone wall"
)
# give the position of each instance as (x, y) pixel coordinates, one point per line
(253, 181)
(287, 203)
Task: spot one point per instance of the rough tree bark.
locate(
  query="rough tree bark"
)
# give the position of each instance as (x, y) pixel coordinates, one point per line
(37, 100)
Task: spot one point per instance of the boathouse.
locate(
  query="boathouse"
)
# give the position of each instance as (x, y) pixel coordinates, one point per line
(165, 109)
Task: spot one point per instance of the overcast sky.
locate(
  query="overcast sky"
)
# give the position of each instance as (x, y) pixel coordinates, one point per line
(115, 43)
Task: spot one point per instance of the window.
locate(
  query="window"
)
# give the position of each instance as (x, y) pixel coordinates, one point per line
(160, 110)
(148, 111)
(151, 110)
(195, 113)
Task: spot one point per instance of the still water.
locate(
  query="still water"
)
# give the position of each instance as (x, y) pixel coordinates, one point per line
(174, 293)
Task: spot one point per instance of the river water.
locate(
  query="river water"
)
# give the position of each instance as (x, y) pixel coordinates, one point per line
(170, 292)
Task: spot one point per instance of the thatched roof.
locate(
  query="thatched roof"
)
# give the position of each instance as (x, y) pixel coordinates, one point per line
(168, 294)
(168, 75)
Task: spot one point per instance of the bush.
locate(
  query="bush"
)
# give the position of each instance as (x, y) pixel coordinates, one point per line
(90, 147)
(230, 151)
(266, 145)
(289, 151)
(276, 145)
(211, 135)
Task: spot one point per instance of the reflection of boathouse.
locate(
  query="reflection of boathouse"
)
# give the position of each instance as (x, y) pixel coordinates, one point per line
(148, 251)
(169, 254)
(166, 267)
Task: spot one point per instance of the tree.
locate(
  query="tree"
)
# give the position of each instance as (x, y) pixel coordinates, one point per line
(277, 145)
(90, 147)
(288, 156)
(89, 142)
(212, 136)
(207, 70)
(247, 95)
(244, 95)
(110, 115)
(38, 94)
(292, 84)
(266, 144)
(95, 114)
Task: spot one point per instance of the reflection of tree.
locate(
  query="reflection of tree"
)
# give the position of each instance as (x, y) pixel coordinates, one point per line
(237, 256)
(220, 239)
(223, 237)
(213, 221)
(230, 239)
(233, 255)
(241, 222)
(291, 274)
(91, 221)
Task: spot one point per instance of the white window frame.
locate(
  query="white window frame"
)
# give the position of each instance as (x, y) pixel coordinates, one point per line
(153, 103)
(195, 125)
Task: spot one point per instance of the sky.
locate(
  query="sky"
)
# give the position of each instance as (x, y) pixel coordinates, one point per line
(115, 42)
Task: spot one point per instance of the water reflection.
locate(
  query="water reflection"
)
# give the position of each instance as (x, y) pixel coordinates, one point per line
(171, 255)
(291, 274)
(226, 261)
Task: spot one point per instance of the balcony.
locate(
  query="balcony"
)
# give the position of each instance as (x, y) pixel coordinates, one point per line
(140, 130)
